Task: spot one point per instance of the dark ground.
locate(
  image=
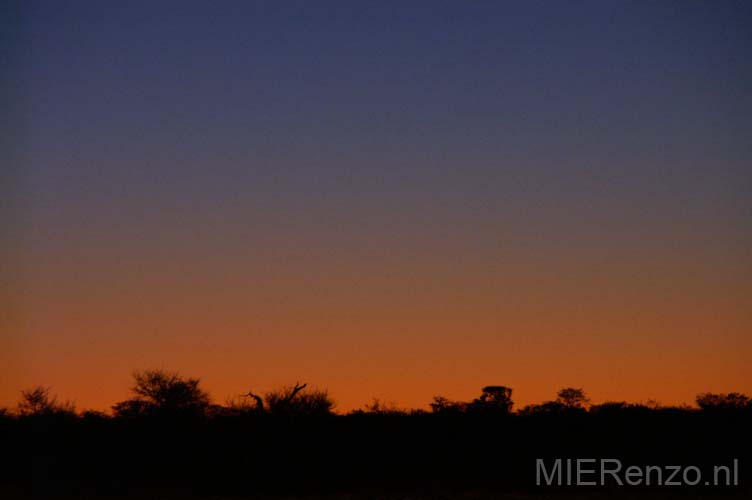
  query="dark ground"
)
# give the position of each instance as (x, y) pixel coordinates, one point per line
(361, 456)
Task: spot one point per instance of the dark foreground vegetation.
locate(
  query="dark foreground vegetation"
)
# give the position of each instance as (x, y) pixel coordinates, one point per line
(170, 441)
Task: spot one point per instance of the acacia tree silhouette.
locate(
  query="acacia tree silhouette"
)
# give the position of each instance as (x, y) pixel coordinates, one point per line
(164, 393)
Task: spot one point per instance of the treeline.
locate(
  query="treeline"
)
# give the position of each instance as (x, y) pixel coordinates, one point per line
(162, 393)
(169, 440)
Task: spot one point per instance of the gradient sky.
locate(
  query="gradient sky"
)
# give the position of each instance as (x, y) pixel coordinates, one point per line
(386, 199)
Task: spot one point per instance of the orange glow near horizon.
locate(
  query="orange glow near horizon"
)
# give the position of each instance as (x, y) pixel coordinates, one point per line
(399, 327)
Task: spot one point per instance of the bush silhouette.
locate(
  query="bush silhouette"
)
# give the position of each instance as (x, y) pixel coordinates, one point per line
(442, 405)
(723, 402)
(295, 400)
(547, 408)
(568, 400)
(619, 408)
(493, 399)
(380, 407)
(164, 393)
(289, 400)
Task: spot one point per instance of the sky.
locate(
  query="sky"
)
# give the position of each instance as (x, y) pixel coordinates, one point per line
(385, 199)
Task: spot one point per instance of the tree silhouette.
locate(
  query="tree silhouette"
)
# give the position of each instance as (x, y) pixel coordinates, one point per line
(38, 401)
(570, 397)
(494, 398)
(161, 392)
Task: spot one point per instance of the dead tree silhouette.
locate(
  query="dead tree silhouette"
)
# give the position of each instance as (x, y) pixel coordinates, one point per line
(282, 403)
(259, 400)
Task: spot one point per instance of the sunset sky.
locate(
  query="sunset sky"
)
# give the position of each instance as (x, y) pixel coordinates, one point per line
(385, 199)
